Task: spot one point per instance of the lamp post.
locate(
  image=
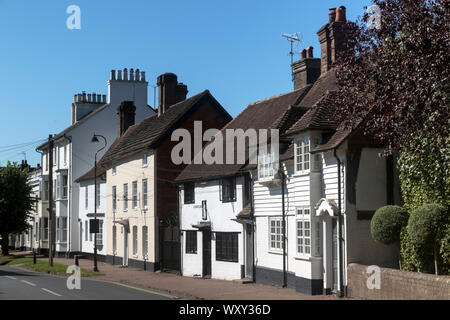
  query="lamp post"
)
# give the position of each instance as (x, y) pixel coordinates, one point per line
(95, 140)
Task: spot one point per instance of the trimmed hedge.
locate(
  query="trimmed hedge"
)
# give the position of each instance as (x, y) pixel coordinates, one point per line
(387, 223)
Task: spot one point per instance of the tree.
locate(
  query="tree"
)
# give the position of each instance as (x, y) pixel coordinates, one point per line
(387, 224)
(16, 202)
(428, 226)
(395, 76)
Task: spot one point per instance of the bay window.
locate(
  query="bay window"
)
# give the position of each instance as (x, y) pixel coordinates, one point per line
(266, 165)
(303, 231)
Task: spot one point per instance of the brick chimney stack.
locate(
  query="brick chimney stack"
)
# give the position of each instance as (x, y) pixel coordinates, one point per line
(332, 38)
(170, 91)
(306, 70)
(126, 112)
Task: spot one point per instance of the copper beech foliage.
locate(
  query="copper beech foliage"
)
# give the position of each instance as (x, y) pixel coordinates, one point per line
(396, 76)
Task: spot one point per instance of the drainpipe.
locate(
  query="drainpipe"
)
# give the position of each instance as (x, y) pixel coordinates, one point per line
(252, 218)
(69, 202)
(283, 182)
(341, 283)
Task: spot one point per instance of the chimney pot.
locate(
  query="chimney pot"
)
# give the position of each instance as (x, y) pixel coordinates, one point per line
(137, 76)
(113, 75)
(131, 74)
(75, 98)
(309, 52)
(89, 97)
(84, 97)
(125, 74)
(104, 98)
(143, 76)
(303, 53)
(94, 98)
(332, 15)
(341, 14)
(99, 98)
(119, 74)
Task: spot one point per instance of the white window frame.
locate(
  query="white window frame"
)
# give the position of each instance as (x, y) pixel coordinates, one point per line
(114, 198)
(113, 170)
(144, 242)
(135, 241)
(114, 232)
(266, 165)
(65, 154)
(99, 234)
(125, 197)
(144, 160)
(134, 195)
(302, 155)
(303, 230)
(144, 193)
(63, 229)
(275, 232)
(65, 182)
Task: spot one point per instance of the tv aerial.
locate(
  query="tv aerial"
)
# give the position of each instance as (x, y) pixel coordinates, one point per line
(295, 40)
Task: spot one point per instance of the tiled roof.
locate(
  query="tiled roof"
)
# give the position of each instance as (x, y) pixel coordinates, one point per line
(276, 112)
(321, 117)
(148, 133)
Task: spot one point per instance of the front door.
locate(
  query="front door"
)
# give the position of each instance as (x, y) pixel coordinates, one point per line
(207, 253)
(249, 251)
(334, 254)
(125, 247)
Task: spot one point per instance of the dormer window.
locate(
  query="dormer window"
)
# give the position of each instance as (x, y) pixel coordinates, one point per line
(266, 164)
(302, 156)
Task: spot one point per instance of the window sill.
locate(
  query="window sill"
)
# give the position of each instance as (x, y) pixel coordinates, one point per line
(191, 252)
(307, 258)
(275, 252)
(232, 261)
(301, 173)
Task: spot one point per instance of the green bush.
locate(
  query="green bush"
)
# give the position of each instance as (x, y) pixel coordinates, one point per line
(427, 228)
(387, 223)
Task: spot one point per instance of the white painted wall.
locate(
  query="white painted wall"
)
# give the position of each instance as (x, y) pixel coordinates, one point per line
(220, 215)
(80, 150)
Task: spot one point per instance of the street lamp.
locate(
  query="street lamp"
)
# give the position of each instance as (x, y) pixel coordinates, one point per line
(95, 140)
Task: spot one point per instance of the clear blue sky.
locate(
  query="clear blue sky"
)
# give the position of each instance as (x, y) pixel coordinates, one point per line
(233, 48)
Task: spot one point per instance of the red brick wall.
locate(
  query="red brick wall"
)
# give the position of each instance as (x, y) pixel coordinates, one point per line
(167, 171)
(397, 285)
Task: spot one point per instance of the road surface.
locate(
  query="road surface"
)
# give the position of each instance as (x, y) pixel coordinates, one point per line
(17, 283)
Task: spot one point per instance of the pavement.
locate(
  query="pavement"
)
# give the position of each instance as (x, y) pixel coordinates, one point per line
(19, 284)
(191, 288)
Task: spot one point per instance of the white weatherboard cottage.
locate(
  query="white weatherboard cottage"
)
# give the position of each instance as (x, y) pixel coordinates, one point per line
(331, 181)
(74, 152)
(212, 241)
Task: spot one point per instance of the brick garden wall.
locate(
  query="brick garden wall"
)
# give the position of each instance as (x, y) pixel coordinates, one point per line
(397, 285)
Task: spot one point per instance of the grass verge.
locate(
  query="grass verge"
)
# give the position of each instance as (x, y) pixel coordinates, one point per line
(42, 266)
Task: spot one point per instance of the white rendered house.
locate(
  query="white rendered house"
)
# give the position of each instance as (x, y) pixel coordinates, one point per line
(73, 152)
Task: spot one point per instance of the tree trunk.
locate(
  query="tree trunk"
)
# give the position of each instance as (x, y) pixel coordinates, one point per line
(436, 258)
(5, 244)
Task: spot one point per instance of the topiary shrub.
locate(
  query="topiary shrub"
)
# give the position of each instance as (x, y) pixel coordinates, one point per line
(387, 223)
(427, 227)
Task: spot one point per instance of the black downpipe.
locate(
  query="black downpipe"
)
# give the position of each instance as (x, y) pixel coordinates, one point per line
(252, 217)
(283, 182)
(341, 283)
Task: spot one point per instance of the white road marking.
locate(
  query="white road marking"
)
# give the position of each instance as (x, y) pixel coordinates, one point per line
(9, 277)
(49, 291)
(27, 282)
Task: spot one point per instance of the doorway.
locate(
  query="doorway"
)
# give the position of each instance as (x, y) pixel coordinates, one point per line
(206, 253)
(334, 255)
(249, 251)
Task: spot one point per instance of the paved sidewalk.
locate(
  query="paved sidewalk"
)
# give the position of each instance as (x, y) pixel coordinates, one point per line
(191, 288)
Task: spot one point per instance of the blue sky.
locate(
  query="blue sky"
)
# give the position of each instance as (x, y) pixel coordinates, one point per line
(233, 48)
